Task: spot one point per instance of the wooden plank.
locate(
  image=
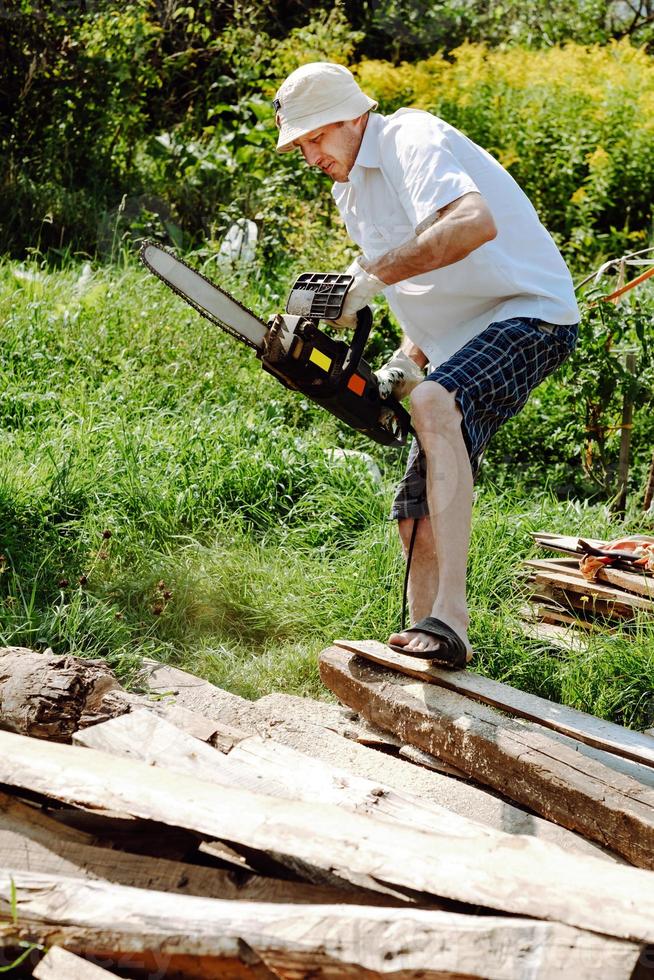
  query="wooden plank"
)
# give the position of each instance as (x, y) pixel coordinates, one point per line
(514, 874)
(564, 637)
(420, 758)
(199, 696)
(572, 579)
(565, 543)
(577, 724)
(266, 766)
(531, 764)
(334, 717)
(583, 600)
(301, 941)
(635, 580)
(29, 839)
(59, 963)
(556, 616)
(456, 796)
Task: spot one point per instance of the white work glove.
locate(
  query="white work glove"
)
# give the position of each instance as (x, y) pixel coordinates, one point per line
(399, 376)
(362, 290)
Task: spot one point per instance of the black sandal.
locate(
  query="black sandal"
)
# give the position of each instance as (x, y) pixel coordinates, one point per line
(451, 651)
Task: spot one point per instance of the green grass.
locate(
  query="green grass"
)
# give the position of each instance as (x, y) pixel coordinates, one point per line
(160, 495)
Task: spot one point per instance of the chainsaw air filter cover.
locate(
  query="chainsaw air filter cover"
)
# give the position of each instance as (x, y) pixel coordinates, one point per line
(319, 295)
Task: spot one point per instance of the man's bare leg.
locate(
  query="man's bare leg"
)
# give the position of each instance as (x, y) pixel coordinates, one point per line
(437, 421)
(423, 574)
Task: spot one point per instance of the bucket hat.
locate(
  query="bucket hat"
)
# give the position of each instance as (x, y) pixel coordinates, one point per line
(315, 95)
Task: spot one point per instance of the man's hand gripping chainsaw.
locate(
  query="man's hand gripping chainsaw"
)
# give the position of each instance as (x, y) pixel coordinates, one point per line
(292, 347)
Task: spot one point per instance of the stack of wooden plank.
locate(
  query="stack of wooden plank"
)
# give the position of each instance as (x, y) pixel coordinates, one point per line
(565, 607)
(188, 833)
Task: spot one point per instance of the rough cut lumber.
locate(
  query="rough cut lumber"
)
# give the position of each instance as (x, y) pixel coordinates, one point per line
(553, 614)
(29, 839)
(577, 724)
(516, 757)
(546, 592)
(420, 758)
(50, 696)
(515, 874)
(265, 766)
(334, 717)
(58, 964)
(571, 579)
(564, 637)
(635, 580)
(456, 796)
(198, 695)
(302, 941)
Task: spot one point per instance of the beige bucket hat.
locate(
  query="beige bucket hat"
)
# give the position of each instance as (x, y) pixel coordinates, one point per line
(315, 95)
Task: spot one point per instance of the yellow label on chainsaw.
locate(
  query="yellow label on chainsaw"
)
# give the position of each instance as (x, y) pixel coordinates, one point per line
(320, 359)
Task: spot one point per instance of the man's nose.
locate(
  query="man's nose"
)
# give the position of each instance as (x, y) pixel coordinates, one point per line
(311, 155)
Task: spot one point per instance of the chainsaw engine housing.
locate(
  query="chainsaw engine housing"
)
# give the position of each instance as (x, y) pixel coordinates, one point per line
(331, 372)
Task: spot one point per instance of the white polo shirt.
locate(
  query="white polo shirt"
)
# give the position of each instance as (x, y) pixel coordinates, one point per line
(409, 166)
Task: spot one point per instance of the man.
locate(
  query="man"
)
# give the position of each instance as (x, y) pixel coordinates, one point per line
(479, 288)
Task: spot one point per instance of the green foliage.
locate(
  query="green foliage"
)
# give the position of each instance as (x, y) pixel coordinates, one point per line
(138, 118)
(573, 125)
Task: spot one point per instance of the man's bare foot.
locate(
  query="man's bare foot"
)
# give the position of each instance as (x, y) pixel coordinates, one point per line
(419, 643)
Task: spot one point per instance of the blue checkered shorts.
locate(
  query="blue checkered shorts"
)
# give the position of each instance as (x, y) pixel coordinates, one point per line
(492, 376)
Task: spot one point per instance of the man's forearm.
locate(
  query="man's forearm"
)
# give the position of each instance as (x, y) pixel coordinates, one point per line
(452, 234)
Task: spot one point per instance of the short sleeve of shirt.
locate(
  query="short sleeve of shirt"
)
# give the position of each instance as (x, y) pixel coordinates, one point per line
(422, 166)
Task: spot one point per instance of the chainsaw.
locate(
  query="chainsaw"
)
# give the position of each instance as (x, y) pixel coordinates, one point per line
(293, 348)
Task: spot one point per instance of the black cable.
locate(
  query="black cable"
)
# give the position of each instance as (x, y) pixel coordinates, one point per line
(406, 574)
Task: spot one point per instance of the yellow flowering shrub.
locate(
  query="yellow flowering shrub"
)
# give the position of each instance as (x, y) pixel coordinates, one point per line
(573, 124)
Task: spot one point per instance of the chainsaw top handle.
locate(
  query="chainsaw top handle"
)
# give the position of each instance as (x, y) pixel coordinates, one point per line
(359, 340)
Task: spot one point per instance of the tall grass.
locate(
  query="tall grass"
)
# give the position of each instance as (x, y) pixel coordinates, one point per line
(161, 495)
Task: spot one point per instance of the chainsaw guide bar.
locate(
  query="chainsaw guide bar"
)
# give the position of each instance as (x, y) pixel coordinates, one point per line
(293, 348)
(210, 300)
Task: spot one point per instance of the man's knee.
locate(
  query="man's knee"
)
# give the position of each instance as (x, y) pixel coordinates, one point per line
(423, 541)
(434, 407)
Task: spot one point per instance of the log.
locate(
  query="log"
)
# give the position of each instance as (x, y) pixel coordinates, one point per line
(59, 963)
(541, 769)
(209, 937)
(577, 724)
(50, 696)
(457, 797)
(517, 874)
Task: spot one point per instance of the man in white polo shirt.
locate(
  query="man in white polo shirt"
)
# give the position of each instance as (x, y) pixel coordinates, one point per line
(481, 292)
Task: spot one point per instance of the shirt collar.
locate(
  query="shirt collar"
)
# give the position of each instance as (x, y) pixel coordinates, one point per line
(368, 155)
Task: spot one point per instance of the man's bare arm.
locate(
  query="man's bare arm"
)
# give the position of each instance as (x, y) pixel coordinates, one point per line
(414, 352)
(447, 237)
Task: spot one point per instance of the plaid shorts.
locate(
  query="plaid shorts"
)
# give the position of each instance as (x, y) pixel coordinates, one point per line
(492, 376)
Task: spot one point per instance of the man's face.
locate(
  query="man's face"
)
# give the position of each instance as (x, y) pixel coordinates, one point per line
(333, 147)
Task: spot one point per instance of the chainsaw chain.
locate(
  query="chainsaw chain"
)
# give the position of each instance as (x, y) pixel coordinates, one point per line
(187, 299)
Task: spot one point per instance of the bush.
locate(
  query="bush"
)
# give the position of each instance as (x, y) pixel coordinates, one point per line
(574, 125)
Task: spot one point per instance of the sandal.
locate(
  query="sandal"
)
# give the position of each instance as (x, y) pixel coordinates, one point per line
(451, 650)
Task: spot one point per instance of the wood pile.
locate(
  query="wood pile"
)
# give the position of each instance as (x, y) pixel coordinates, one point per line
(565, 608)
(434, 825)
